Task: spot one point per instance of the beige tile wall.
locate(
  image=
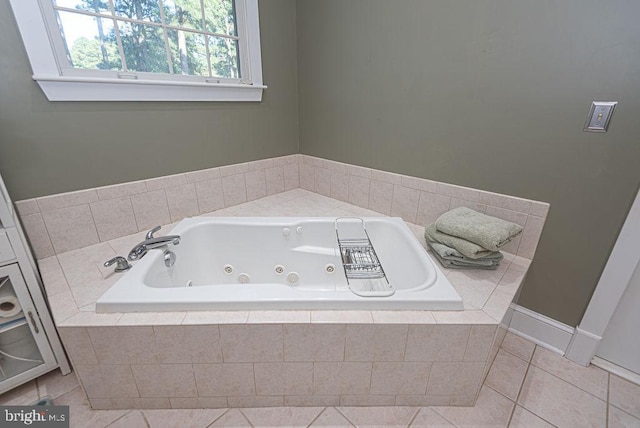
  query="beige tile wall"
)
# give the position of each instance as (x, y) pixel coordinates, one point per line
(419, 200)
(60, 223)
(68, 221)
(231, 365)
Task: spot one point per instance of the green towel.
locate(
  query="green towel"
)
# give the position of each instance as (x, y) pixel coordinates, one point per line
(454, 264)
(452, 254)
(468, 249)
(489, 232)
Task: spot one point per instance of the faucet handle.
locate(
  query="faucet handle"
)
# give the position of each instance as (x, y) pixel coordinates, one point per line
(152, 231)
(121, 266)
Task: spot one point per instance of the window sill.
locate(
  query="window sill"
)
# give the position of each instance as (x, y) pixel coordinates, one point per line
(64, 88)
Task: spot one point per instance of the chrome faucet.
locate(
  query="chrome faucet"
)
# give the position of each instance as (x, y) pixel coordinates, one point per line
(151, 243)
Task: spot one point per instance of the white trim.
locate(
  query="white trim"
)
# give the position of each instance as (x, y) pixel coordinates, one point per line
(58, 87)
(616, 370)
(583, 346)
(612, 284)
(542, 330)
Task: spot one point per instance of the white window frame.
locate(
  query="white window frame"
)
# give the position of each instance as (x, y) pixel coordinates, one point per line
(59, 87)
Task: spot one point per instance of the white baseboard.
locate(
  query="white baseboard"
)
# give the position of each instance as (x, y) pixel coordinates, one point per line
(542, 330)
(616, 370)
(583, 347)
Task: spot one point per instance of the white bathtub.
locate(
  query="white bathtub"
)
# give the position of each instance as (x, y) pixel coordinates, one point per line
(231, 264)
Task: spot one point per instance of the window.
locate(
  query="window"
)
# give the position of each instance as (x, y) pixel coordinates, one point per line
(137, 50)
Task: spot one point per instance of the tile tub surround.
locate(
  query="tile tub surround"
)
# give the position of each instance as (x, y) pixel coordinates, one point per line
(512, 395)
(61, 223)
(271, 358)
(276, 358)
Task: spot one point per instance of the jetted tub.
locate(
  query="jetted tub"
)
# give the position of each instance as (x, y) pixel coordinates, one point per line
(261, 263)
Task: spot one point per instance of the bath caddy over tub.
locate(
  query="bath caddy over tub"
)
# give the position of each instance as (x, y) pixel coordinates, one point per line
(362, 268)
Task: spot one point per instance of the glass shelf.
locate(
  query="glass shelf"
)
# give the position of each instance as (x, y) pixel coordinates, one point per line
(13, 322)
(18, 348)
(18, 352)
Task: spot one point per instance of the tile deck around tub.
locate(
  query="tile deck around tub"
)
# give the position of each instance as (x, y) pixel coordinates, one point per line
(76, 279)
(323, 357)
(512, 396)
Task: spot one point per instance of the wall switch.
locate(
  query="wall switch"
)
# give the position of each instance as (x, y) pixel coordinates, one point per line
(600, 116)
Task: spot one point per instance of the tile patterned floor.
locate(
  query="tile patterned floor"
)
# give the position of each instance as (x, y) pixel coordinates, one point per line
(527, 386)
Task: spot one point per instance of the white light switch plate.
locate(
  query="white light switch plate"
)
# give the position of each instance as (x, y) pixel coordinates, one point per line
(600, 116)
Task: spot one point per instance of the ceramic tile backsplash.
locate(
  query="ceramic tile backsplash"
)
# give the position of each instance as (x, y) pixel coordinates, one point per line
(71, 227)
(404, 203)
(209, 193)
(234, 189)
(359, 188)
(113, 218)
(151, 209)
(339, 186)
(120, 190)
(65, 200)
(166, 181)
(27, 206)
(182, 201)
(164, 199)
(379, 200)
(291, 176)
(431, 206)
(256, 184)
(322, 181)
(68, 221)
(275, 179)
(38, 236)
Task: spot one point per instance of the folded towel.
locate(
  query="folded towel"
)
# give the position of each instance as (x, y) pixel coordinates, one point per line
(453, 264)
(449, 253)
(467, 248)
(489, 232)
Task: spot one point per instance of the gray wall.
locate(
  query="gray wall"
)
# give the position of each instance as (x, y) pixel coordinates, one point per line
(48, 148)
(490, 94)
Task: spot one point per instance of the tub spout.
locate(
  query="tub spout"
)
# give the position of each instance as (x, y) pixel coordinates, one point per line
(151, 243)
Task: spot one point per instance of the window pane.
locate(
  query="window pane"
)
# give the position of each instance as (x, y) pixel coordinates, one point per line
(224, 57)
(188, 53)
(220, 16)
(183, 13)
(144, 48)
(90, 41)
(142, 10)
(98, 6)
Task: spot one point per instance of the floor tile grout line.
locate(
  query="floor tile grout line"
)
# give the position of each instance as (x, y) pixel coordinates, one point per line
(246, 417)
(344, 416)
(623, 411)
(524, 379)
(116, 419)
(513, 354)
(317, 416)
(218, 418)
(144, 417)
(444, 416)
(415, 415)
(566, 381)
